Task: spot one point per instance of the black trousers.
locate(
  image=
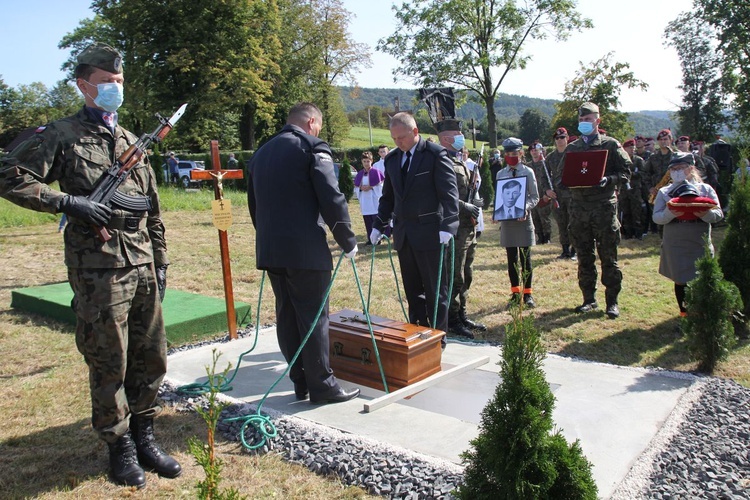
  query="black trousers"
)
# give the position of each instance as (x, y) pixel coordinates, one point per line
(299, 293)
(419, 271)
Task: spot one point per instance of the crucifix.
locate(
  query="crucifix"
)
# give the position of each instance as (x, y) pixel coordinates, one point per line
(222, 210)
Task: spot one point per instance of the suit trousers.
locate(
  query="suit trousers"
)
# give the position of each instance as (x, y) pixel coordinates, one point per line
(419, 271)
(299, 294)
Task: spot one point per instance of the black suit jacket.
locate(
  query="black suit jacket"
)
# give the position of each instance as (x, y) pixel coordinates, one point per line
(423, 205)
(291, 186)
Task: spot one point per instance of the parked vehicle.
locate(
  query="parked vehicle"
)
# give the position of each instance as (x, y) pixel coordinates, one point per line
(185, 167)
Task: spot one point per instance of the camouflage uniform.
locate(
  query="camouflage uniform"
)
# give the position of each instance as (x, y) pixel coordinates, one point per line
(120, 329)
(555, 166)
(465, 242)
(632, 203)
(542, 215)
(594, 227)
(654, 170)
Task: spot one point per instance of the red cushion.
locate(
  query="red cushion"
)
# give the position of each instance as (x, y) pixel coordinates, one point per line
(690, 204)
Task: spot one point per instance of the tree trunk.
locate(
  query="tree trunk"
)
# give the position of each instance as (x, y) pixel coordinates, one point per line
(489, 103)
(247, 127)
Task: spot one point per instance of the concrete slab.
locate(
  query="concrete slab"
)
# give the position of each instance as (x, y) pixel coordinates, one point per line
(615, 412)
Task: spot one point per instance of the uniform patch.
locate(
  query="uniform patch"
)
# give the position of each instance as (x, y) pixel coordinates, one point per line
(324, 158)
(40, 129)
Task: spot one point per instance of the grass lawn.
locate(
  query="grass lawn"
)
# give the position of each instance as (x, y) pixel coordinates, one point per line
(48, 450)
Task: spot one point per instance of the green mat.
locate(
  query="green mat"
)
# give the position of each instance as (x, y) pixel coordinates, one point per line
(187, 316)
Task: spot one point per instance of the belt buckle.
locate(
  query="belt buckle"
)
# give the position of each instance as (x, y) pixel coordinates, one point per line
(131, 224)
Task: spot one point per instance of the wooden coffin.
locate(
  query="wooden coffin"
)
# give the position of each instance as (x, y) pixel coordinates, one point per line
(408, 353)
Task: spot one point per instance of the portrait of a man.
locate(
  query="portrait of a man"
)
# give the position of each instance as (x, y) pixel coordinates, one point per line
(511, 200)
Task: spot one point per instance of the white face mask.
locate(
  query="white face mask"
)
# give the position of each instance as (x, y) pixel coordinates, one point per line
(678, 175)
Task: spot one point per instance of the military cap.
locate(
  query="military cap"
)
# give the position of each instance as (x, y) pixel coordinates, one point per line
(665, 132)
(448, 124)
(685, 189)
(602, 131)
(629, 142)
(560, 132)
(683, 138)
(640, 138)
(681, 157)
(102, 56)
(587, 108)
(512, 144)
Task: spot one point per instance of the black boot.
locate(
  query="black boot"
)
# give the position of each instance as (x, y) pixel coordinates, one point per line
(565, 252)
(469, 323)
(457, 327)
(123, 463)
(150, 455)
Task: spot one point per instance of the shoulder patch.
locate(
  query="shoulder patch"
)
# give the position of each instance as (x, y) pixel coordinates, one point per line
(40, 129)
(324, 157)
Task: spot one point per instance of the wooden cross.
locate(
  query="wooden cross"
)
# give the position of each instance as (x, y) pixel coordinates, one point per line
(218, 175)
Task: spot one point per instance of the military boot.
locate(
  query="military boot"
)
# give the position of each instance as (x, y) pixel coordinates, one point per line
(457, 327)
(123, 463)
(469, 323)
(150, 455)
(612, 310)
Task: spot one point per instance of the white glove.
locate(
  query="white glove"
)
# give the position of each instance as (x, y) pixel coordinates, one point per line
(375, 236)
(352, 253)
(445, 237)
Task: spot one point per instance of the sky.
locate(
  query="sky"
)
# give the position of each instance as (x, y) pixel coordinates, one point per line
(633, 31)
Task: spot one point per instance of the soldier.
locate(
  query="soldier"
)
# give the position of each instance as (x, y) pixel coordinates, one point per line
(116, 284)
(633, 201)
(593, 215)
(683, 145)
(542, 213)
(560, 192)
(712, 168)
(451, 138)
(655, 171)
(640, 147)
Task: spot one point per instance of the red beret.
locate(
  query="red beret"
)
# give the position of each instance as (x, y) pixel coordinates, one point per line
(560, 132)
(602, 131)
(665, 132)
(640, 138)
(683, 138)
(629, 142)
(572, 138)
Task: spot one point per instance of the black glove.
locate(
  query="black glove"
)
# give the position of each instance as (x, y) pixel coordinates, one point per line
(603, 182)
(473, 209)
(161, 281)
(88, 211)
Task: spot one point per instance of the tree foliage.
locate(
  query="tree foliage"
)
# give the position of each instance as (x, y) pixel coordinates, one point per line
(599, 82)
(734, 256)
(701, 113)
(731, 20)
(474, 44)
(533, 125)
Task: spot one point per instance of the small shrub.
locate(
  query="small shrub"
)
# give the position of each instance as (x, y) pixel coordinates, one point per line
(346, 182)
(711, 303)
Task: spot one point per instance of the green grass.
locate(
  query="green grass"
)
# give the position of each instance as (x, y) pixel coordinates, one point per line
(11, 215)
(173, 199)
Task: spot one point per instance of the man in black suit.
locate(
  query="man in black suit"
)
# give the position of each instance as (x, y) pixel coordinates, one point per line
(511, 191)
(291, 187)
(421, 195)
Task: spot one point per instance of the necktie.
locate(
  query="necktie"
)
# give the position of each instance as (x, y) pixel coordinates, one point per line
(405, 166)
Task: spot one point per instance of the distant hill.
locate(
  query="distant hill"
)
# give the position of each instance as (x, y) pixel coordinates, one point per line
(507, 107)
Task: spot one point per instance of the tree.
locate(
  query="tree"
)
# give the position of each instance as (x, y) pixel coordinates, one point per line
(474, 44)
(701, 113)
(533, 125)
(734, 257)
(600, 82)
(731, 20)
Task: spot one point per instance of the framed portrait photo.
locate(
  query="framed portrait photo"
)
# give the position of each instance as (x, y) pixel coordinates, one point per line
(510, 199)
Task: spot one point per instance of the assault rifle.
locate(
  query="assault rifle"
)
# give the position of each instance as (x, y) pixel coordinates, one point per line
(555, 203)
(473, 194)
(105, 190)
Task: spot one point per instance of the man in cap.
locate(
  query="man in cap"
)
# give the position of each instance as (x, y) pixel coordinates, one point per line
(542, 213)
(640, 147)
(560, 192)
(116, 284)
(173, 165)
(633, 201)
(655, 171)
(421, 196)
(683, 145)
(593, 214)
(451, 138)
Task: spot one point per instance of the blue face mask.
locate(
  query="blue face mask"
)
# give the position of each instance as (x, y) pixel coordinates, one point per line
(586, 128)
(109, 96)
(458, 142)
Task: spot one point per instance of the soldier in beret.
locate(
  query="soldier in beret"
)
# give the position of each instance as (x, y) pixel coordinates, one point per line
(633, 201)
(560, 192)
(684, 238)
(683, 144)
(116, 284)
(594, 226)
(655, 169)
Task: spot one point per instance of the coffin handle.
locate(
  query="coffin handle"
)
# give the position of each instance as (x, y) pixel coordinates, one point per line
(338, 351)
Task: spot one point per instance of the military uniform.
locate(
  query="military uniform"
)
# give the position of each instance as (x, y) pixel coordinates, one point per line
(594, 225)
(542, 215)
(632, 202)
(555, 165)
(120, 329)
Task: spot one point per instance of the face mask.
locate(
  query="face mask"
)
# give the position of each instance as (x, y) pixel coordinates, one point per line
(497, 156)
(678, 175)
(586, 128)
(511, 160)
(109, 96)
(458, 142)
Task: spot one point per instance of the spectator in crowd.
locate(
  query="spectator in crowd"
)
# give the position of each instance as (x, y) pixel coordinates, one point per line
(368, 187)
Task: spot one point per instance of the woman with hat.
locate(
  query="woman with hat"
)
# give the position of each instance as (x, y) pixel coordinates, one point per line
(686, 208)
(517, 235)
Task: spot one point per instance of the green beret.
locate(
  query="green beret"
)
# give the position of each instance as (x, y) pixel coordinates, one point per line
(587, 108)
(448, 124)
(102, 56)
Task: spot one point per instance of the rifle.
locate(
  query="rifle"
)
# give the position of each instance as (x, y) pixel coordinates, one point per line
(473, 194)
(555, 203)
(105, 190)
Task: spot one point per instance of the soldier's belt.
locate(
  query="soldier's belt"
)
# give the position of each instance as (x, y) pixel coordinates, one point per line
(130, 224)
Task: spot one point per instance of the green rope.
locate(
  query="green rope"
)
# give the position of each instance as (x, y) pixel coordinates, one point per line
(440, 274)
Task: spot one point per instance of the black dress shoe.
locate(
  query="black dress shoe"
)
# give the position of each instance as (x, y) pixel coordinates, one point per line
(300, 391)
(613, 311)
(587, 307)
(528, 301)
(339, 395)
